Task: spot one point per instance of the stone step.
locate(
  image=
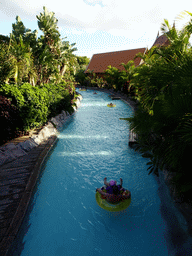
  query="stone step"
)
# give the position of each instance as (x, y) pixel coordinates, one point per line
(132, 138)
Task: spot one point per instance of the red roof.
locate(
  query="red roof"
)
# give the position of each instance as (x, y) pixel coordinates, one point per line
(160, 41)
(100, 62)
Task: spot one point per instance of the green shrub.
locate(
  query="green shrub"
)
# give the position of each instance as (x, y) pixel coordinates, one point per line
(10, 120)
(37, 104)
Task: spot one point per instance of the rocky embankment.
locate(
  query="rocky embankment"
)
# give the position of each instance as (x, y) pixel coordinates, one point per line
(11, 151)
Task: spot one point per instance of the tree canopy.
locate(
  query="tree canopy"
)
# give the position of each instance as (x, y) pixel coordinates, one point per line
(27, 58)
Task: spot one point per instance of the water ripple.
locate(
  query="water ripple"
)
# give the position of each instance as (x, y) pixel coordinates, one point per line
(92, 145)
(88, 153)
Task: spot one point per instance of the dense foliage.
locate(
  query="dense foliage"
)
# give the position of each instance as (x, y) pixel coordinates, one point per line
(11, 123)
(26, 58)
(112, 78)
(37, 75)
(34, 105)
(163, 120)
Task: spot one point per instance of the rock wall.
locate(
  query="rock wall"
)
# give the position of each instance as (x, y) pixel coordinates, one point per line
(11, 151)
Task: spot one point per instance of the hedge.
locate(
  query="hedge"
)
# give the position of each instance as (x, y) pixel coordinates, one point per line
(36, 105)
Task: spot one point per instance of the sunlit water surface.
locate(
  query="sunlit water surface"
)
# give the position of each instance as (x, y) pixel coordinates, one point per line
(64, 218)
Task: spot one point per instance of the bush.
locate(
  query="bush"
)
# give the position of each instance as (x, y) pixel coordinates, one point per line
(80, 77)
(36, 104)
(59, 98)
(10, 120)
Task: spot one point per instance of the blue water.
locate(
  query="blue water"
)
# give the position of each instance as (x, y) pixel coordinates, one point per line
(64, 218)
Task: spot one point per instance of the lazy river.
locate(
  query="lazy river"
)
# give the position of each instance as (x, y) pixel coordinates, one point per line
(63, 217)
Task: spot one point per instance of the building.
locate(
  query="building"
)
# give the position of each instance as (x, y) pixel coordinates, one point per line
(161, 40)
(99, 62)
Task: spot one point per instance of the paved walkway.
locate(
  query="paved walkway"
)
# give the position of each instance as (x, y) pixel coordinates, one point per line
(17, 181)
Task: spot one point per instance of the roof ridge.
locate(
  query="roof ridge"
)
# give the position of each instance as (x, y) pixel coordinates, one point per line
(119, 51)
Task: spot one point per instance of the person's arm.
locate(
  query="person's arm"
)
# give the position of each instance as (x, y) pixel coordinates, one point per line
(100, 191)
(105, 182)
(127, 195)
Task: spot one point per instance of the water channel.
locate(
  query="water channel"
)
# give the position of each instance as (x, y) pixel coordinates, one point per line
(63, 217)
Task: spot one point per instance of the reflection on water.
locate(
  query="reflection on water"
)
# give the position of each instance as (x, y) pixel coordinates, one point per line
(103, 153)
(74, 136)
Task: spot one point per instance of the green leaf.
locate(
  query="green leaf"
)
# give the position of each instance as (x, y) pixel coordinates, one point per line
(147, 155)
(151, 171)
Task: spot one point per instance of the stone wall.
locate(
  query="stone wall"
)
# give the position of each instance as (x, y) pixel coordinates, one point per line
(177, 214)
(183, 210)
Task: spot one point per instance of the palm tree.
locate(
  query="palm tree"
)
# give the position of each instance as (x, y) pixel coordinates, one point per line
(179, 40)
(67, 57)
(48, 47)
(5, 63)
(22, 62)
(20, 54)
(128, 73)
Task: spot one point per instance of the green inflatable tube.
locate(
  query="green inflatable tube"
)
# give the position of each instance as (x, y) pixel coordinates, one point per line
(112, 207)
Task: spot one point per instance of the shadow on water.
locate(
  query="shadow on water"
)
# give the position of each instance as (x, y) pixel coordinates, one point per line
(178, 241)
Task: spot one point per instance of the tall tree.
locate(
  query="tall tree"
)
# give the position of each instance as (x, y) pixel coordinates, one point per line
(19, 30)
(48, 50)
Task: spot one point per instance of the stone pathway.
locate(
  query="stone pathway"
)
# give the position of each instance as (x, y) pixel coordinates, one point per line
(17, 181)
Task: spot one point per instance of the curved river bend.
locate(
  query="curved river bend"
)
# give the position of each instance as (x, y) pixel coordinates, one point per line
(64, 218)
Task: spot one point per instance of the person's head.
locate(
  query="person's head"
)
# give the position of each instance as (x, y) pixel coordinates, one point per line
(112, 183)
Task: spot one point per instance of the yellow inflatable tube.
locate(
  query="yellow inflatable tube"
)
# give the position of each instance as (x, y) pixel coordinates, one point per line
(111, 105)
(120, 206)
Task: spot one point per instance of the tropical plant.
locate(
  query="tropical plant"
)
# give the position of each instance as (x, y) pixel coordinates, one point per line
(163, 119)
(5, 63)
(127, 74)
(48, 47)
(11, 123)
(112, 77)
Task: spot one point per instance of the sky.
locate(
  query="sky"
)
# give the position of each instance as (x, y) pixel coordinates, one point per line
(98, 26)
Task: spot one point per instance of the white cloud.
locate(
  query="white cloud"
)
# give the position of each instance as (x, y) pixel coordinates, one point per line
(101, 22)
(121, 14)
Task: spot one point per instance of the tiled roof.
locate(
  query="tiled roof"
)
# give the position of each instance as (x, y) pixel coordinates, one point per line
(160, 41)
(100, 62)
